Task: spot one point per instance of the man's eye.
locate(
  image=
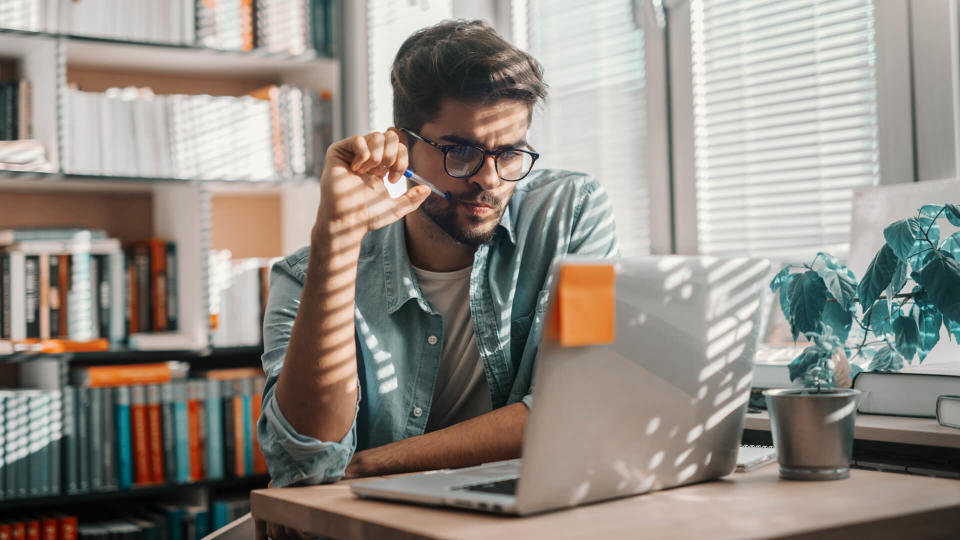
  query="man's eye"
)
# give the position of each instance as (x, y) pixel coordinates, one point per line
(510, 155)
(465, 153)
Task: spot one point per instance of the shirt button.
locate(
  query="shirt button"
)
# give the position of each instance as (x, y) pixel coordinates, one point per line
(418, 412)
(432, 340)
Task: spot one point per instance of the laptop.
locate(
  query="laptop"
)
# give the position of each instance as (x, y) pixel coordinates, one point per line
(654, 401)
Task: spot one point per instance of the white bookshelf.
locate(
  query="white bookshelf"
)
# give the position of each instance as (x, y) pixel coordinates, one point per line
(181, 208)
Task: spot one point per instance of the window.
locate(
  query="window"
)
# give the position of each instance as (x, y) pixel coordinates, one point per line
(595, 120)
(785, 122)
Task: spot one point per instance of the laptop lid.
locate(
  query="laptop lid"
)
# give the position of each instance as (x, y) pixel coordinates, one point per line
(662, 404)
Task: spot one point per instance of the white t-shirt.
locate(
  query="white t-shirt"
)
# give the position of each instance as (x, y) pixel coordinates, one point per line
(461, 391)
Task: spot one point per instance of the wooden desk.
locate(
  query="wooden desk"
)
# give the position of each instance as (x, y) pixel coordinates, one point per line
(755, 504)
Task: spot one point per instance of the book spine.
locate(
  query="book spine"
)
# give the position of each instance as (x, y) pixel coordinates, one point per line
(95, 438)
(141, 261)
(40, 417)
(5, 533)
(110, 480)
(71, 454)
(16, 310)
(68, 528)
(155, 422)
(256, 402)
(79, 315)
(117, 285)
(95, 295)
(169, 433)
(43, 313)
(193, 434)
(49, 529)
(4, 458)
(4, 296)
(158, 281)
(229, 439)
(56, 442)
(182, 429)
(63, 290)
(102, 293)
(32, 295)
(244, 420)
(133, 298)
(124, 438)
(138, 429)
(22, 437)
(172, 295)
(33, 529)
(214, 414)
(54, 295)
(83, 437)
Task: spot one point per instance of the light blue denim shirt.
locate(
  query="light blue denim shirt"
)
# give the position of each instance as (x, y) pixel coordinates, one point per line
(400, 336)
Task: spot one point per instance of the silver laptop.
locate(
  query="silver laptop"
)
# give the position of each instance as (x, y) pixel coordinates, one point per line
(662, 406)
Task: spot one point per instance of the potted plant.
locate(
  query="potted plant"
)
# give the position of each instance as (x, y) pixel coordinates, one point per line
(892, 316)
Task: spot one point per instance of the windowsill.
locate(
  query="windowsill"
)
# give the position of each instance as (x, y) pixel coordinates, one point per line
(895, 429)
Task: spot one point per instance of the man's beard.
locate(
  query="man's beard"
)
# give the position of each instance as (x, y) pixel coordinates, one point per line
(444, 214)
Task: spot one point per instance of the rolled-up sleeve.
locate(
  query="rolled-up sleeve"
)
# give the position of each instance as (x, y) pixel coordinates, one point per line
(291, 457)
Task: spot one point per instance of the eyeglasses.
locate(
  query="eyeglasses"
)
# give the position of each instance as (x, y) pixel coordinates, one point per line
(465, 160)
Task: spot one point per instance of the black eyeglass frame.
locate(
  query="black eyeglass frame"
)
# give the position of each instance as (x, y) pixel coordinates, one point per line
(445, 148)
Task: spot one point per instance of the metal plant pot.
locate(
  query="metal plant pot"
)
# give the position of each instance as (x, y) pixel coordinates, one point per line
(813, 431)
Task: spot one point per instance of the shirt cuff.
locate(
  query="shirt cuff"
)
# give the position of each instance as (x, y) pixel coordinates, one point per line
(528, 401)
(293, 458)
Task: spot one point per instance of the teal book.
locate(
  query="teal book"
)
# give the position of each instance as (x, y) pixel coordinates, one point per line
(182, 429)
(83, 439)
(245, 425)
(214, 418)
(55, 460)
(71, 456)
(3, 450)
(124, 442)
(95, 438)
(175, 521)
(38, 452)
(219, 514)
(17, 443)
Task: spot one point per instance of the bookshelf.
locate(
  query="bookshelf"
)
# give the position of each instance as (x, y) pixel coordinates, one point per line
(252, 217)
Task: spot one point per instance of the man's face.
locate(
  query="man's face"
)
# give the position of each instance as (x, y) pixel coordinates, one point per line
(476, 203)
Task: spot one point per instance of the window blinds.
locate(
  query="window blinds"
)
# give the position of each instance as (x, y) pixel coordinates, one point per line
(389, 24)
(595, 119)
(785, 122)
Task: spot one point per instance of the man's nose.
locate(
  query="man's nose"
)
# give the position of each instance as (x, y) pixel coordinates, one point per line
(487, 177)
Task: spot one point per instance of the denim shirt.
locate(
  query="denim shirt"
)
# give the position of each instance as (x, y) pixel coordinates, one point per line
(399, 335)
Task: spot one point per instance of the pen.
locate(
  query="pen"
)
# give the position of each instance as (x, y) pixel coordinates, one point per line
(421, 180)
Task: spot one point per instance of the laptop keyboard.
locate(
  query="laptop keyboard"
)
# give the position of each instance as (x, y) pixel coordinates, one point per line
(500, 487)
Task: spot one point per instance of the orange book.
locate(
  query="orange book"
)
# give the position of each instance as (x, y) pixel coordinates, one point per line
(238, 443)
(18, 530)
(123, 375)
(68, 528)
(4, 531)
(193, 433)
(272, 94)
(33, 529)
(157, 249)
(49, 528)
(256, 401)
(246, 25)
(138, 431)
(63, 290)
(233, 373)
(155, 433)
(52, 346)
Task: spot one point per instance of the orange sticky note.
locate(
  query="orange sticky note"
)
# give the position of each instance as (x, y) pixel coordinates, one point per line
(584, 312)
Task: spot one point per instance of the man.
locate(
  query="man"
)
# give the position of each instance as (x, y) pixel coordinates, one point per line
(404, 337)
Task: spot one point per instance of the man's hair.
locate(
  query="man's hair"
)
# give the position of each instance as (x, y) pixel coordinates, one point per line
(462, 60)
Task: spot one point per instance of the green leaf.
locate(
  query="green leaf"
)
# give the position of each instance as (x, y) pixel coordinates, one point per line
(878, 276)
(906, 336)
(941, 280)
(928, 321)
(953, 328)
(880, 318)
(808, 360)
(808, 295)
(841, 287)
(886, 359)
(838, 319)
(952, 245)
(953, 214)
(829, 260)
(785, 294)
(898, 280)
(907, 238)
(779, 278)
(931, 210)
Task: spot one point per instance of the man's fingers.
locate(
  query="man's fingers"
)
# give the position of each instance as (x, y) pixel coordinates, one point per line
(410, 201)
(375, 144)
(400, 165)
(361, 153)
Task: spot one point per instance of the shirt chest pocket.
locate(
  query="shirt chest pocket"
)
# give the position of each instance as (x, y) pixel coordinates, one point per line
(520, 328)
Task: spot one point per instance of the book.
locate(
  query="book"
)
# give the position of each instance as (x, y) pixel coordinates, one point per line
(83, 436)
(155, 433)
(214, 425)
(124, 438)
(133, 374)
(109, 458)
(256, 401)
(71, 456)
(169, 433)
(181, 433)
(948, 410)
(95, 438)
(229, 428)
(55, 462)
(905, 393)
(138, 428)
(194, 396)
